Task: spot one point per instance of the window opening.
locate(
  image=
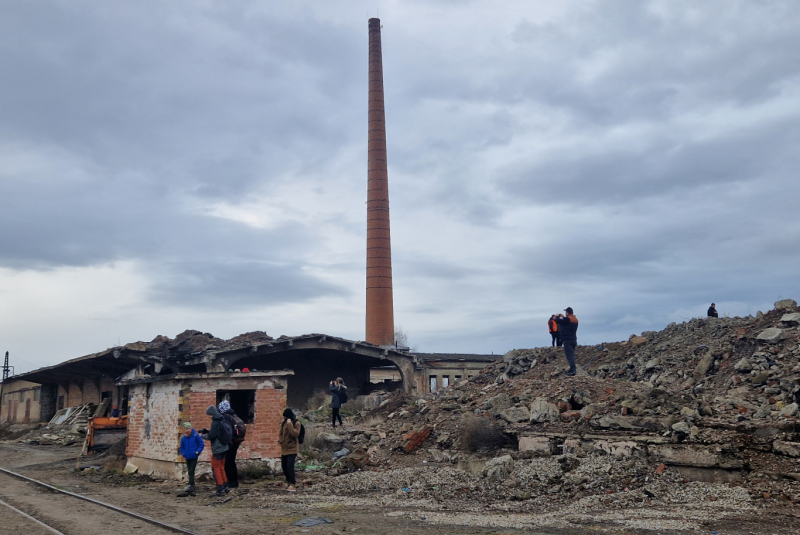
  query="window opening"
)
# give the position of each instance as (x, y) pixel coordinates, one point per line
(432, 383)
(243, 403)
(445, 381)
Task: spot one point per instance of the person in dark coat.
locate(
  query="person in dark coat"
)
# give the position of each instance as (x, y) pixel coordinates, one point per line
(218, 451)
(290, 447)
(568, 327)
(231, 472)
(337, 388)
(712, 311)
(552, 326)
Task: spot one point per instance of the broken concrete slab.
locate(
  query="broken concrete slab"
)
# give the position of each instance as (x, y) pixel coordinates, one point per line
(617, 449)
(786, 303)
(499, 468)
(697, 456)
(772, 335)
(791, 449)
(540, 445)
(543, 411)
(130, 468)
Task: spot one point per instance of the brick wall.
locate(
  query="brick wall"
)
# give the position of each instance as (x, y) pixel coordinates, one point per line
(153, 429)
(90, 392)
(74, 396)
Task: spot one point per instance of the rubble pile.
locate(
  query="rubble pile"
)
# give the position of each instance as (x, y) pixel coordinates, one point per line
(194, 343)
(703, 410)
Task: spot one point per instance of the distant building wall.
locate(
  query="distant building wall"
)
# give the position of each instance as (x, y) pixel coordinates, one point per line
(435, 375)
(21, 402)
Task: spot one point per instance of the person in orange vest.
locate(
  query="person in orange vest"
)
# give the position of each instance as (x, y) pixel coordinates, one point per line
(552, 326)
(569, 337)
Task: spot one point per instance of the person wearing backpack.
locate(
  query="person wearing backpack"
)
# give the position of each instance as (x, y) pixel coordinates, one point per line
(338, 396)
(220, 436)
(288, 438)
(239, 430)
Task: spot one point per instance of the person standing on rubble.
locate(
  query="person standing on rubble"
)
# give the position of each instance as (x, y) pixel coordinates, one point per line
(712, 311)
(290, 447)
(231, 472)
(569, 337)
(218, 450)
(552, 326)
(338, 396)
(191, 447)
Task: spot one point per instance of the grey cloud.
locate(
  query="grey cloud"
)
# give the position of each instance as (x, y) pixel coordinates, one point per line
(225, 285)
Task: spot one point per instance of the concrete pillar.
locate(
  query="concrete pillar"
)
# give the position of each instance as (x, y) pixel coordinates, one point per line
(380, 307)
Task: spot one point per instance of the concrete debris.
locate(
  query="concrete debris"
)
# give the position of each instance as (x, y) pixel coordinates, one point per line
(712, 400)
(130, 468)
(499, 468)
(543, 411)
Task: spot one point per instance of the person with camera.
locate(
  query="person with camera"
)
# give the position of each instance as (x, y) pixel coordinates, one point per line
(568, 327)
(338, 396)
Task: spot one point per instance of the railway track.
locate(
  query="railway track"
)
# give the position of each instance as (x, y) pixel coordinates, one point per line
(66, 513)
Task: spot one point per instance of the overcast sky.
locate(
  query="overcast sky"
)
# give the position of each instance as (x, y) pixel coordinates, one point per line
(202, 165)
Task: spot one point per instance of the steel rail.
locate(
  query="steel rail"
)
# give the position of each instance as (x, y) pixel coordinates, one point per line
(29, 517)
(102, 504)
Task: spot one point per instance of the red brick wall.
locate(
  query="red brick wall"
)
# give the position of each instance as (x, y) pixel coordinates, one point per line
(90, 392)
(74, 396)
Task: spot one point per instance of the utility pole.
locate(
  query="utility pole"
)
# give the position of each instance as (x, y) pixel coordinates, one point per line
(5, 368)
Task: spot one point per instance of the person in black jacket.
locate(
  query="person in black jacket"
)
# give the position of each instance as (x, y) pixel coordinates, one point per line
(712, 311)
(568, 327)
(230, 456)
(337, 389)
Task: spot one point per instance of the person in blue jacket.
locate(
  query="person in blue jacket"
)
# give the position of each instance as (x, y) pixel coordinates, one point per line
(191, 447)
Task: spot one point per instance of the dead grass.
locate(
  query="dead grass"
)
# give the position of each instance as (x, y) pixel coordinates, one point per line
(482, 434)
(354, 406)
(371, 420)
(320, 399)
(255, 471)
(314, 447)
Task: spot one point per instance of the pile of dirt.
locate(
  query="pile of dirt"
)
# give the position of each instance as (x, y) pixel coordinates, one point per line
(712, 401)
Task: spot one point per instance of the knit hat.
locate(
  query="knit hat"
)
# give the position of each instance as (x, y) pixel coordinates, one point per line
(187, 425)
(224, 406)
(289, 413)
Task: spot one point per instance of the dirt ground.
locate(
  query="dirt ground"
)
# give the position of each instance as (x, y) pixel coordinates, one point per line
(263, 507)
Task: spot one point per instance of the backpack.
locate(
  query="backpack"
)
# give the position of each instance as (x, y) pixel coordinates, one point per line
(302, 436)
(239, 428)
(225, 431)
(343, 395)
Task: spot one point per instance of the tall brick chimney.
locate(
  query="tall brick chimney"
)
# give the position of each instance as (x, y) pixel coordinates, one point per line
(380, 306)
